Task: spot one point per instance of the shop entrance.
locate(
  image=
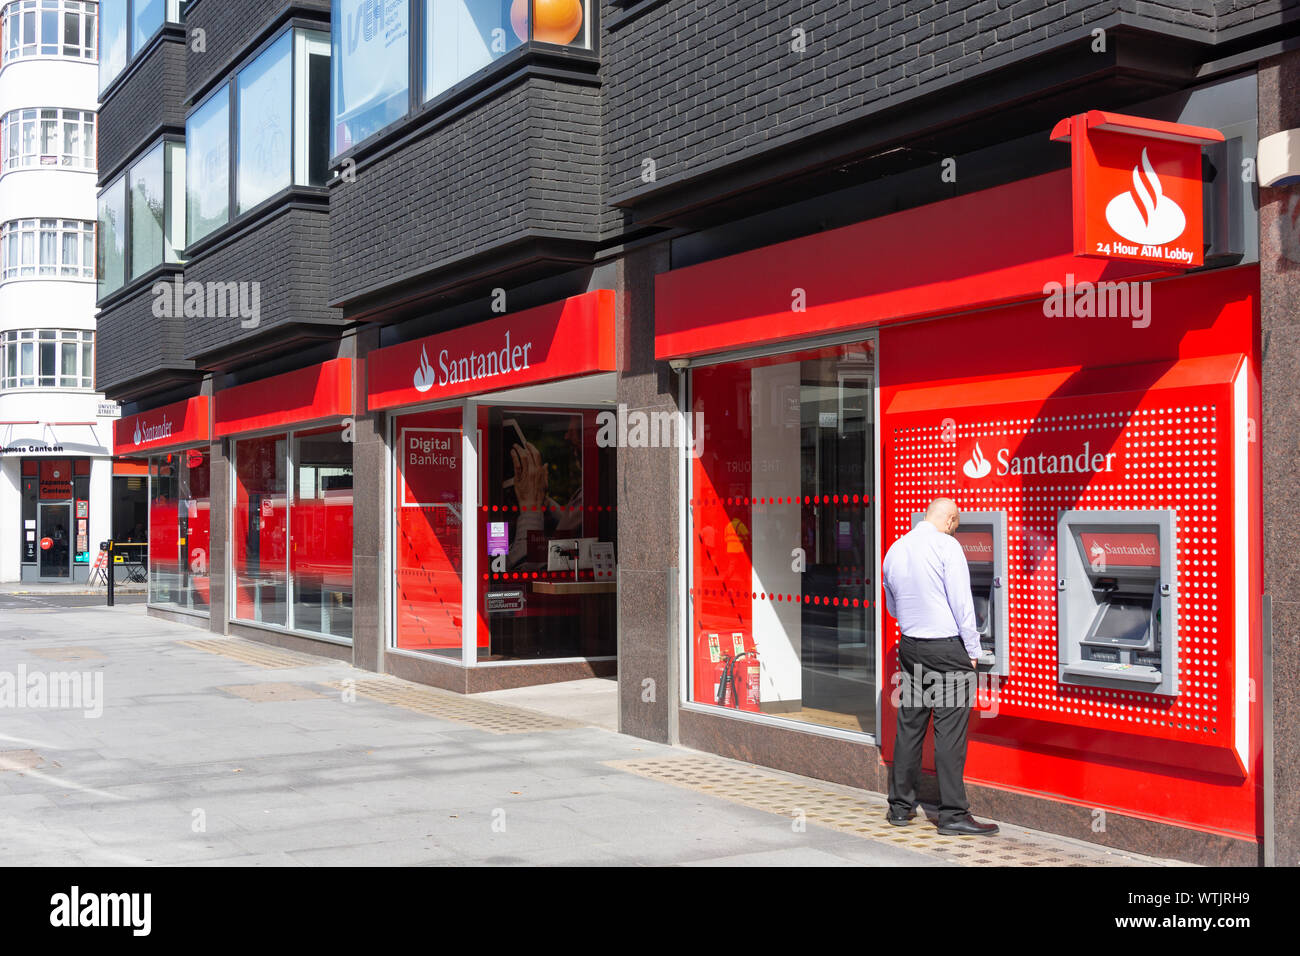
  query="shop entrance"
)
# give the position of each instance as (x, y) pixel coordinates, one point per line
(53, 521)
(505, 527)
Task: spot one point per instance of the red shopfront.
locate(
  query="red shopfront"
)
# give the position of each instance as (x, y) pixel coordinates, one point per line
(174, 438)
(845, 379)
(502, 495)
(291, 502)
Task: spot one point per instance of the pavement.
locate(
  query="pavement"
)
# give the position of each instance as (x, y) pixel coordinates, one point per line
(189, 749)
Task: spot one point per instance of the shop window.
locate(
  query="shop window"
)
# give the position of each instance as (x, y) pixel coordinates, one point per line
(371, 62)
(320, 535)
(44, 28)
(783, 584)
(546, 536)
(292, 542)
(427, 542)
(156, 224)
(142, 217)
(136, 21)
(207, 175)
(48, 137)
(47, 358)
(112, 41)
(463, 37)
(265, 91)
(281, 133)
(179, 499)
(112, 238)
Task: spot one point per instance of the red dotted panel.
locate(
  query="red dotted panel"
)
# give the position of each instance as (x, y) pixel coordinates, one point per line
(1172, 452)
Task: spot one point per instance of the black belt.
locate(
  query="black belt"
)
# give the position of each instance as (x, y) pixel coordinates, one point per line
(955, 637)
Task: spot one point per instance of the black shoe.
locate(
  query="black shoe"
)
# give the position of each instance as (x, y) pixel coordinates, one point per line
(967, 826)
(900, 818)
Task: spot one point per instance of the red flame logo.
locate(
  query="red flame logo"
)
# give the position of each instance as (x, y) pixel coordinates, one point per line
(1146, 190)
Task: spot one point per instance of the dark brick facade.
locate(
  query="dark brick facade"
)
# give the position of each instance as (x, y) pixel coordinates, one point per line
(287, 253)
(147, 103)
(229, 29)
(523, 165)
(137, 352)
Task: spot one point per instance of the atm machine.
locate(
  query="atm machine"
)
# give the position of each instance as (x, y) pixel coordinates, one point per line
(983, 537)
(1117, 602)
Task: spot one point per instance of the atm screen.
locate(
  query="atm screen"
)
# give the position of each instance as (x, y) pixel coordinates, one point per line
(1124, 624)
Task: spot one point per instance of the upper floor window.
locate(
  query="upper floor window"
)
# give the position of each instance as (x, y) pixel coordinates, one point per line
(142, 217)
(127, 26)
(373, 50)
(49, 28)
(281, 102)
(47, 248)
(47, 358)
(48, 137)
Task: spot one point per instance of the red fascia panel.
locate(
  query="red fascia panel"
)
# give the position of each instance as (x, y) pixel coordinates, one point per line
(169, 426)
(1138, 126)
(315, 393)
(572, 337)
(989, 248)
(1138, 379)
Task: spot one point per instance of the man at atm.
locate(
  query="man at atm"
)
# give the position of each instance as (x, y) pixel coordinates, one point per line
(927, 590)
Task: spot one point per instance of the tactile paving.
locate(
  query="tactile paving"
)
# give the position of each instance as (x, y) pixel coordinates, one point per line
(863, 815)
(250, 652)
(445, 705)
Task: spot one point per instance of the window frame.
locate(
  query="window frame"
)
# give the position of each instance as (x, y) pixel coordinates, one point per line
(19, 121)
(173, 14)
(18, 46)
(290, 433)
(418, 104)
(230, 89)
(38, 342)
(30, 235)
(169, 144)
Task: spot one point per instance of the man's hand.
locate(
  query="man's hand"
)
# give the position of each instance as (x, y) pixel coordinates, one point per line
(974, 663)
(530, 476)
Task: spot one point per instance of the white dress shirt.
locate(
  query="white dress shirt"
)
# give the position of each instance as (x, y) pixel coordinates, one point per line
(927, 587)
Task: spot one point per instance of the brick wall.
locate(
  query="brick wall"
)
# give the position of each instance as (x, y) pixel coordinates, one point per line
(228, 29)
(525, 162)
(691, 84)
(288, 254)
(131, 342)
(144, 105)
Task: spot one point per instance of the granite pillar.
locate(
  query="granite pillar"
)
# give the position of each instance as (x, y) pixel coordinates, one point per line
(1279, 227)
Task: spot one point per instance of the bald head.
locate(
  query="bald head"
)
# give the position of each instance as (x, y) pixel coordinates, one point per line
(943, 514)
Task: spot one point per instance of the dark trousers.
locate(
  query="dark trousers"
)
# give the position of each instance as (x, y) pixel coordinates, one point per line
(938, 678)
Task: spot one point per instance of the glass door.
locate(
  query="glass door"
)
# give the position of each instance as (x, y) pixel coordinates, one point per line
(54, 523)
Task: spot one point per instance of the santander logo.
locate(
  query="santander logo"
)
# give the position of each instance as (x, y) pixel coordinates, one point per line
(977, 466)
(424, 377)
(1098, 555)
(152, 433)
(1145, 214)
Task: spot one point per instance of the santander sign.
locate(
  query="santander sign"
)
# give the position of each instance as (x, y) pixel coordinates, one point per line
(975, 464)
(1137, 187)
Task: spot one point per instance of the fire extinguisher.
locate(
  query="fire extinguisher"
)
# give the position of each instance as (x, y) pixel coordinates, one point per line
(709, 666)
(739, 685)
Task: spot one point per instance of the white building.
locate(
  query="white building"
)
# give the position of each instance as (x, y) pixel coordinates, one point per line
(56, 468)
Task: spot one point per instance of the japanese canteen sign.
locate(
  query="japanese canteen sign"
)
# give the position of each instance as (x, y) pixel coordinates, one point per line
(1137, 188)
